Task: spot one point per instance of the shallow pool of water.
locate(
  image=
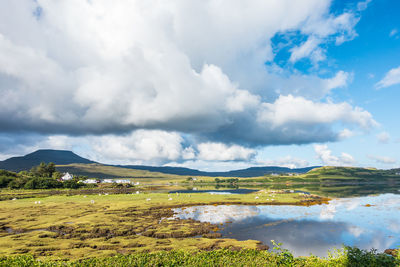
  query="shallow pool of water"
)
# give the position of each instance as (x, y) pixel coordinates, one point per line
(366, 222)
(217, 192)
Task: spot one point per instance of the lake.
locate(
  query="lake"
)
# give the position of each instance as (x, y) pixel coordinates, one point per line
(220, 191)
(371, 221)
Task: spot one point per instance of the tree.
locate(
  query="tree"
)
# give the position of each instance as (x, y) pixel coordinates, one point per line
(4, 181)
(57, 175)
(42, 183)
(18, 182)
(74, 184)
(43, 170)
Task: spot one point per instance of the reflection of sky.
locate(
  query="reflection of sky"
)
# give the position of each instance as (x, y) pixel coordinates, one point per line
(313, 229)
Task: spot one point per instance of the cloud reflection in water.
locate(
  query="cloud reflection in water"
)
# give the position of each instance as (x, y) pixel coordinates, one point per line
(315, 229)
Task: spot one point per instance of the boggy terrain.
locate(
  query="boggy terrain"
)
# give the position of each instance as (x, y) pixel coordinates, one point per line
(85, 226)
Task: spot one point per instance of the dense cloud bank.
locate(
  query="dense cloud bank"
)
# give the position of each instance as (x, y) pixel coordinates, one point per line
(192, 71)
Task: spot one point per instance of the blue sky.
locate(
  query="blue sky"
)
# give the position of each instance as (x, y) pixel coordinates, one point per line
(369, 56)
(213, 85)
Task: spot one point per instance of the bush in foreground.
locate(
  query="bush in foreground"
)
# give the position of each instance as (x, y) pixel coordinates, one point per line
(348, 256)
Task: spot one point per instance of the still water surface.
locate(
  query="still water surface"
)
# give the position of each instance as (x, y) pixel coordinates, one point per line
(366, 222)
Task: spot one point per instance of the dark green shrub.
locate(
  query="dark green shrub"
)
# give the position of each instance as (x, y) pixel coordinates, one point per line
(42, 183)
(4, 181)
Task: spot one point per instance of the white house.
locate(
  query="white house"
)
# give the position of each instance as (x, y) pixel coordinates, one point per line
(122, 181)
(66, 177)
(90, 181)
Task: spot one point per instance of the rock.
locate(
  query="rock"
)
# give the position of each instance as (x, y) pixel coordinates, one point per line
(235, 248)
(262, 247)
(212, 235)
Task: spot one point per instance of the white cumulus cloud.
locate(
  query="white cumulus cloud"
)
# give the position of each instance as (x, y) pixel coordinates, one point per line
(391, 78)
(324, 154)
(222, 152)
(136, 76)
(382, 159)
(288, 161)
(383, 137)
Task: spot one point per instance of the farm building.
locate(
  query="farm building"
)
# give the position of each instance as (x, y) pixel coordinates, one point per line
(90, 181)
(66, 177)
(122, 181)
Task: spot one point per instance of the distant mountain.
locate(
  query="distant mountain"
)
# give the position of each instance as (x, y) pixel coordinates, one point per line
(249, 172)
(64, 157)
(59, 157)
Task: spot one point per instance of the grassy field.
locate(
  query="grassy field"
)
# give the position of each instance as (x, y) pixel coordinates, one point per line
(82, 226)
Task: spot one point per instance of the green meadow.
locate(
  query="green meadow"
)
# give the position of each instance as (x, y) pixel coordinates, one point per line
(82, 226)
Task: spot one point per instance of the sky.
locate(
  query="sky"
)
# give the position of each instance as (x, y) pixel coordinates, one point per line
(210, 84)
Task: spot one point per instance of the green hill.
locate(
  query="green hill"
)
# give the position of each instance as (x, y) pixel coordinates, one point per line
(26, 162)
(63, 157)
(350, 173)
(106, 171)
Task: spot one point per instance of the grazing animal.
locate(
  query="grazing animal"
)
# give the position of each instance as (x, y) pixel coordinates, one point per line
(92, 201)
(148, 199)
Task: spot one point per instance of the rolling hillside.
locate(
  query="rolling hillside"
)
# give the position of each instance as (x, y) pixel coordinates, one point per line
(249, 172)
(101, 171)
(59, 157)
(351, 173)
(69, 161)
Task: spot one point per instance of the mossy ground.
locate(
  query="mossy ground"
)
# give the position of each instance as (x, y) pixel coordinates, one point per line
(86, 226)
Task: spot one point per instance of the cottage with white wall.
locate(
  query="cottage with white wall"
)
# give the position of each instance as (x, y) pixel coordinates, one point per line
(66, 177)
(122, 181)
(90, 181)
